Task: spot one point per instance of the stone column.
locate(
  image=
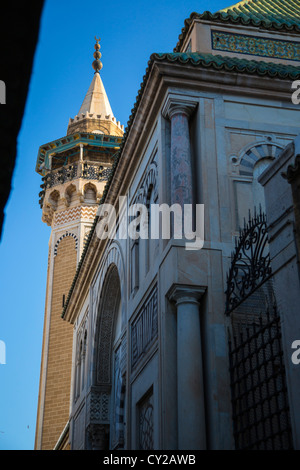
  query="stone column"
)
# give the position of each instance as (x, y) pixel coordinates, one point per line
(190, 389)
(181, 172)
(181, 161)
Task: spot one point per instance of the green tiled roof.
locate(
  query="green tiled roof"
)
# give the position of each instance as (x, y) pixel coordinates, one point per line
(285, 12)
(233, 64)
(280, 15)
(197, 59)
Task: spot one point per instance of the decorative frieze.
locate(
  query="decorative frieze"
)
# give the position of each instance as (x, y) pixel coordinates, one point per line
(75, 213)
(98, 407)
(255, 45)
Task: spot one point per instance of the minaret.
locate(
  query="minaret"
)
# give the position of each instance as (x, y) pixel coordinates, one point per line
(74, 171)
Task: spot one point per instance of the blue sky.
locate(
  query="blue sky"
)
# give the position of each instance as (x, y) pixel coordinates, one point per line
(130, 32)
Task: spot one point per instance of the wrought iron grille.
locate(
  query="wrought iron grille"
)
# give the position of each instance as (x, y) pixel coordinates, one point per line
(250, 265)
(146, 424)
(69, 173)
(257, 373)
(258, 386)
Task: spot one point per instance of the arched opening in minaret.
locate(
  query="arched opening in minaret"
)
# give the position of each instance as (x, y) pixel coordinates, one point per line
(90, 194)
(54, 198)
(70, 193)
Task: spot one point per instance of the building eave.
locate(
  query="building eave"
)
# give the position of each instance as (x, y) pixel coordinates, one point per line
(223, 18)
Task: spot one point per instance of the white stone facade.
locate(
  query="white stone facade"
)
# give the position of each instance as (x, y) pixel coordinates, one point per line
(227, 131)
(151, 338)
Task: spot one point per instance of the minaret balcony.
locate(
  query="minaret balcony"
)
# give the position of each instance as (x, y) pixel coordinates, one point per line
(86, 170)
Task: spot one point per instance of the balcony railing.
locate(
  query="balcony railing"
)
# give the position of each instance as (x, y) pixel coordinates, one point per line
(89, 171)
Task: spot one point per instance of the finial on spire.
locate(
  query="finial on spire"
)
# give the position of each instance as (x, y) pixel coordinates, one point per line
(97, 64)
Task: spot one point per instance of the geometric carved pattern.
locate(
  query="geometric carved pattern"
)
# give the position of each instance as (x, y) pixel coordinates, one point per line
(67, 234)
(99, 407)
(149, 183)
(253, 45)
(75, 213)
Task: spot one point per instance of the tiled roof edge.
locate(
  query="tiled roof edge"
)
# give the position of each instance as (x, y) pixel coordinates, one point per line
(233, 19)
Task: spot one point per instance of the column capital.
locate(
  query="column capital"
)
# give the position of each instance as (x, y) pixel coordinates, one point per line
(185, 293)
(178, 105)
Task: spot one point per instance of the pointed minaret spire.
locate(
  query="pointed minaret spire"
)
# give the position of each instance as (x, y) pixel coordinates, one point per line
(95, 113)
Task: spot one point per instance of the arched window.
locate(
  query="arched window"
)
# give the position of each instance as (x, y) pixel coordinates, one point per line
(90, 194)
(70, 193)
(248, 193)
(54, 198)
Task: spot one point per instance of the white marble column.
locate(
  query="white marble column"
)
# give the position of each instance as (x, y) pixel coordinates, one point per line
(190, 389)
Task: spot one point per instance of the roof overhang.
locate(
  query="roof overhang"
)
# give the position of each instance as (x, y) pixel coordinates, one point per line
(65, 143)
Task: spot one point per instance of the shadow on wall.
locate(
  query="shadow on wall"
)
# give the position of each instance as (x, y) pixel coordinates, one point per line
(19, 32)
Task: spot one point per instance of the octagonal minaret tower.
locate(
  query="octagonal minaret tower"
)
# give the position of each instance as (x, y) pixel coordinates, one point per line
(74, 171)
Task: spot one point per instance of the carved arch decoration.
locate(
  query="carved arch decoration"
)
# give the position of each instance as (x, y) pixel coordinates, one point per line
(67, 234)
(150, 182)
(53, 198)
(253, 153)
(69, 193)
(90, 193)
(107, 293)
(108, 307)
(115, 257)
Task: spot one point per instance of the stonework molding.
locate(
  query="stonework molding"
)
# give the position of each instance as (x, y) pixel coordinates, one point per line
(178, 105)
(185, 293)
(253, 153)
